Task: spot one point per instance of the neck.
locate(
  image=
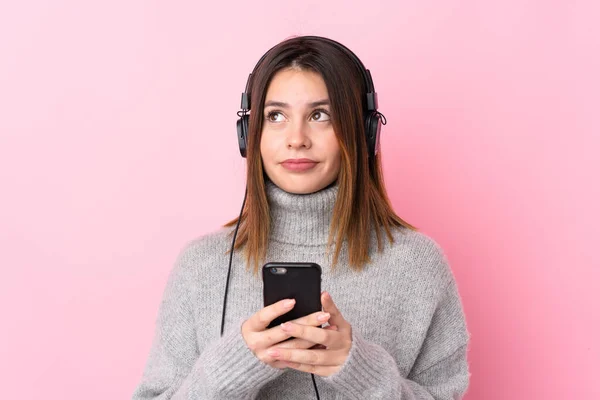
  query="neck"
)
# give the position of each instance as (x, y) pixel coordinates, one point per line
(301, 219)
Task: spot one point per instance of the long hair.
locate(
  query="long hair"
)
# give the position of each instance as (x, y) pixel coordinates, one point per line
(362, 204)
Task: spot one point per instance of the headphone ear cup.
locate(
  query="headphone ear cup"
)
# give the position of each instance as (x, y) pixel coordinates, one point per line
(372, 130)
(242, 134)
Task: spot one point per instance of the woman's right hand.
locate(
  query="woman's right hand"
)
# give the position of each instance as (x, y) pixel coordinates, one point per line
(258, 338)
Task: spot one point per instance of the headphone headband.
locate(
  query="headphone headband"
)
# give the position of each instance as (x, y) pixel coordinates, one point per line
(371, 95)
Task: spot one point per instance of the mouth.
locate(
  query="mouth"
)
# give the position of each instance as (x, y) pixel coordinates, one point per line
(299, 164)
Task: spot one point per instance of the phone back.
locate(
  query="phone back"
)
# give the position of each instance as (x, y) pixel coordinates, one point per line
(300, 281)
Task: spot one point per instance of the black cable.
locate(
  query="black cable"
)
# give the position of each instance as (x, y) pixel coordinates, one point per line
(315, 385)
(230, 260)
(237, 225)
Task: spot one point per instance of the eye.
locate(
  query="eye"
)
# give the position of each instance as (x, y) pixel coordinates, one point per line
(274, 116)
(320, 116)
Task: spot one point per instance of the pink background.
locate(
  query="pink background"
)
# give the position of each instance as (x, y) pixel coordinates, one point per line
(117, 147)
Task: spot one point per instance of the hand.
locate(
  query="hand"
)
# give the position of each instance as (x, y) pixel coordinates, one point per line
(323, 362)
(259, 339)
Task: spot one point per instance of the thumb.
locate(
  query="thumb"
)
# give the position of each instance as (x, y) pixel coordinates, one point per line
(336, 316)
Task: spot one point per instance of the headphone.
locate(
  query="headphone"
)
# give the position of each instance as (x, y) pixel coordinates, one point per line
(373, 119)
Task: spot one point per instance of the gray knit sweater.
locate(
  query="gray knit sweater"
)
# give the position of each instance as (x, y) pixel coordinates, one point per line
(409, 337)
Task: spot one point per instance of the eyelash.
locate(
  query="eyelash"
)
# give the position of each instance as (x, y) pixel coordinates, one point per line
(318, 110)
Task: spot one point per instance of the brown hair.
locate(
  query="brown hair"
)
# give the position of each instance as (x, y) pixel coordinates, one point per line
(362, 202)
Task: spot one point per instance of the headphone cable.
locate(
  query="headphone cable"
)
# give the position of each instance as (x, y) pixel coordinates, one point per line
(237, 225)
(315, 385)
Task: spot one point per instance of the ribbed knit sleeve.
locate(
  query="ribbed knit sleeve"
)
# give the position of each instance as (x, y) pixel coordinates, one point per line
(441, 371)
(176, 369)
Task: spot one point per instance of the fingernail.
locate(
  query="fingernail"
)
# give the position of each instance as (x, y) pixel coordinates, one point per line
(286, 326)
(273, 353)
(323, 316)
(289, 303)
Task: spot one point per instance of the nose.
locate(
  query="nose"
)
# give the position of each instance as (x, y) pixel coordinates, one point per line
(298, 136)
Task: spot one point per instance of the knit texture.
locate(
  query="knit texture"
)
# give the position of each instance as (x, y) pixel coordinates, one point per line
(409, 337)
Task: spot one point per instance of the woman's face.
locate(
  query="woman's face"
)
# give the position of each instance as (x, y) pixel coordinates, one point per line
(299, 149)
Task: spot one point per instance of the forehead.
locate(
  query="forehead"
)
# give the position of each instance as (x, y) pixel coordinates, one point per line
(296, 86)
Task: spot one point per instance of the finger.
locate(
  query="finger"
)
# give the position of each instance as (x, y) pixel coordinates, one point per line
(303, 344)
(267, 359)
(310, 333)
(280, 364)
(310, 356)
(313, 369)
(260, 320)
(295, 344)
(269, 337)
(321, 346)
(314, 319)
(266, 338)
(336, 316)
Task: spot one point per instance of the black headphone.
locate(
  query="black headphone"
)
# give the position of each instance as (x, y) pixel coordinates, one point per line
(373, 118)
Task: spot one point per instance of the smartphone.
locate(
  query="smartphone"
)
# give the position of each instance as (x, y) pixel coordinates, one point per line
(292, 280)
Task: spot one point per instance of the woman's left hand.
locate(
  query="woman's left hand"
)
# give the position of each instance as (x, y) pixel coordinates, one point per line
(320, 361)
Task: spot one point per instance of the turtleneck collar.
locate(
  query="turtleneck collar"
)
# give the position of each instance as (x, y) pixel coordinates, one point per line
(301, 219)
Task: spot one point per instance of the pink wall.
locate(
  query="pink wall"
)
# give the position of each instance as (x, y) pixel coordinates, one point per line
(117, 146)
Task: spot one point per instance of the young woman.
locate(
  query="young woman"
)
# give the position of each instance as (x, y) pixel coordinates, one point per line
(315, 193)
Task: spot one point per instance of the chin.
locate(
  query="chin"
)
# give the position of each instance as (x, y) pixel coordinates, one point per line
(301, 187)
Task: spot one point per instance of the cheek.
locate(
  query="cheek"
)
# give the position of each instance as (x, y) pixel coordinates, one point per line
(337, 165)
(333, 148)
(271, 143)
(266, 146)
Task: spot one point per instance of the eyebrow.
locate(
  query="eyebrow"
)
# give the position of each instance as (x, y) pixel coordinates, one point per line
(274, 103)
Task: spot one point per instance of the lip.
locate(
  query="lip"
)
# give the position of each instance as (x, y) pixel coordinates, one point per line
(299, 164)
